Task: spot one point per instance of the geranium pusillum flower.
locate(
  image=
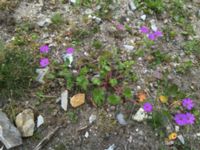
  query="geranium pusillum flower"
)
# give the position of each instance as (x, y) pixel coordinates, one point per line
(70, 50)
(158, 34)
(148, 107)
(152, 36)
(120, 27)
(44, 49)
(44, 62)
(180, 119)
(190, 118)
(188, 103)
(144, 29)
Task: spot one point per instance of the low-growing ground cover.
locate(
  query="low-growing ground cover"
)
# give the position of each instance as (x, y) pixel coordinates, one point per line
(125, 56)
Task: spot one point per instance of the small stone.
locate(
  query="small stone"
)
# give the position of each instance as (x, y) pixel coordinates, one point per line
(40, 121)
(69, 57)
(44, 22)
(77, 100)
(132, 5)
(121, 120)
(180, 137)
(41, 73)
(130, 139)
(92, 118)
(177, 128)
(112, 147)
(153, 25)
(64, 100)
(86, 134)
(143, 17)
(25, 122)
(128, 47)
(198, 134)
(167, 142)
(140, 115)
(73, 1)
(9, 134)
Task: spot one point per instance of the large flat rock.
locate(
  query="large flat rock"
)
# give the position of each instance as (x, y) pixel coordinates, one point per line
(9, 134)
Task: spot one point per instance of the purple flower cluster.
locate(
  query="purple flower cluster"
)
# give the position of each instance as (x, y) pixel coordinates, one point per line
(70, 50)
(44, 61)
(148, 107)
(152, 35)
(184, 119)
(187, 103)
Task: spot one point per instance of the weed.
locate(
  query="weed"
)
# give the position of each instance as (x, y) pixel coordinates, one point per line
(57, 19)
(192, 46)
(16, 71)
(184, 67)
(97, 44)
(73, 117)
(114, 99)
(98, 95)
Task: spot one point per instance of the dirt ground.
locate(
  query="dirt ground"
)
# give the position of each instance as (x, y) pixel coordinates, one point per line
(105, 131)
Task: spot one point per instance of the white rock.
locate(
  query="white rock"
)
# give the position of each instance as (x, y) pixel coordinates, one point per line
(92, 118)
(64, 100)
(40, 121)
(180, 137)
(153, 25)
(120, 119)
(128, 47)
(44, 22)
(73, 1)
(41, 73)
(177, 128)
(198, 134)
(130, 139)
(132, 5)
(25, 122)
(143, 17)
(140, 115)
(112, 147)
(9, 134)
(86, 134)
(69, 57)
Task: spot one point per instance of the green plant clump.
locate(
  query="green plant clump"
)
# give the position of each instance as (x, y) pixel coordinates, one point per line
(15, 71)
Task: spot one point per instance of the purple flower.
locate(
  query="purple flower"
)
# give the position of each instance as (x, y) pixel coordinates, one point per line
(190, 119)
(158, 34)
(180, 119)
(152, 36)
(184, 119)
(148, 107)
(144, 29)
(120, 27)
(44, 49)
(188, 103)
(70, 50)
(44, 62)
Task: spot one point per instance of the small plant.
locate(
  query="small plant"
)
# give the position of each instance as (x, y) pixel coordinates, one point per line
(57, 19)
(183, 68)
(73, 117)
(98, 95)
(15, 71)
(114, 99)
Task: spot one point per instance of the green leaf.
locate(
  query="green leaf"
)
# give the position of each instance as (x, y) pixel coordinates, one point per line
(96, 81)
(127, 93)
(114, 99)
(82, 82)
(113, 82)
(98, 96)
